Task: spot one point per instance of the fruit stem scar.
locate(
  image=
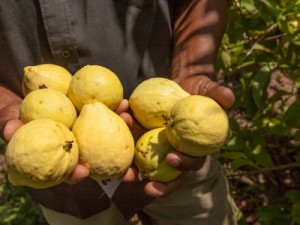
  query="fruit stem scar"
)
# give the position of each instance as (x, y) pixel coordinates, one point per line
(68, 145)
(42, 86)
(168, 121)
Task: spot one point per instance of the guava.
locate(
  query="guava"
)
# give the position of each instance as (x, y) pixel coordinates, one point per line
(106, 145)
(197, 126)
(41, 154)
(150, 152)
(93, 83)
(152, 99)
(46, 75)
(48, 103)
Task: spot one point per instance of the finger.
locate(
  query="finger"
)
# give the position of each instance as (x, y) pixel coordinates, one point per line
(157, 189)
(123, 106)
(136, 129)
(202, 85)
(130, 175)
(224, 96)
(79, 174)
(10, 128)
(184, 162)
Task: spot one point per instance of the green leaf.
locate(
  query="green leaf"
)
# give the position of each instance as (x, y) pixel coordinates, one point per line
(237, 163)
(226, 58)
(262, 157)
(259, 87)
(233, 155)
(272, 215)
(292, 115)
(297, 136)
(249, 5)
(296, 211)
(293, 195)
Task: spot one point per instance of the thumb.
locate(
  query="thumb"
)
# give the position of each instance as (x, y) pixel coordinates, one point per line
(202, 85)
(10, 128)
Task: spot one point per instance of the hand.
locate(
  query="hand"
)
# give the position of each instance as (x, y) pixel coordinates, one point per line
(9, 120)
(197, 85)
(202, 85)
(176, 159)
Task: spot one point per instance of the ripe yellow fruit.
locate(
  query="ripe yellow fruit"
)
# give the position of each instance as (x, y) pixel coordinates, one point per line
(152, 99)
(105, 142)
(93, 83)
(197, 126)
(150, 153)
(48, 103)
(46, 75)
(41, 154)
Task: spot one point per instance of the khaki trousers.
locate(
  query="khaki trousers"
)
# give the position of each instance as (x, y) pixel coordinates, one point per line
(203, 199)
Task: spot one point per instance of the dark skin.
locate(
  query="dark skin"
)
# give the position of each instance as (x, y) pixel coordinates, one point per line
(196, 42)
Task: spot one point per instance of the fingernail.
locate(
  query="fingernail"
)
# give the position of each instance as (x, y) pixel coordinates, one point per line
(158, 189)
(175, 163)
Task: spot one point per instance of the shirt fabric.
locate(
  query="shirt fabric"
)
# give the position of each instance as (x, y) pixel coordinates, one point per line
(130, 37)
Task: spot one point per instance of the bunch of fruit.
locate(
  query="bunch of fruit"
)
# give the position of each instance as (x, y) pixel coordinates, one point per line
(71, 119)
(192, 124)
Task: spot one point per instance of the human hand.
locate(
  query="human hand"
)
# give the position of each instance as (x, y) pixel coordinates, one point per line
(9, 121)
(176, 159)
(201, 85)
(197, 85)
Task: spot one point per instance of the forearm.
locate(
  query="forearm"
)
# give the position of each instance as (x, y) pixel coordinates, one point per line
(198, 30)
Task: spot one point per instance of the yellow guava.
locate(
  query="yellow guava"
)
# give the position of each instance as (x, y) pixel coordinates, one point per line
(106, 145)
(152, 99)
(46, 75)
(41, 154)
(197, 126)
(48, 103)
(150, 153)
(93, 83)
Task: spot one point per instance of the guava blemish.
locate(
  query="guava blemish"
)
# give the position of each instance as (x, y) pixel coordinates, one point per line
(42, 86)
(168, 121)
(144, 154)
(68, 145)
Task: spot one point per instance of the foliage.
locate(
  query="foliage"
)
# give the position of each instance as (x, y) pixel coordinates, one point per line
(260, 60)
(19, 207)
(16, 207)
